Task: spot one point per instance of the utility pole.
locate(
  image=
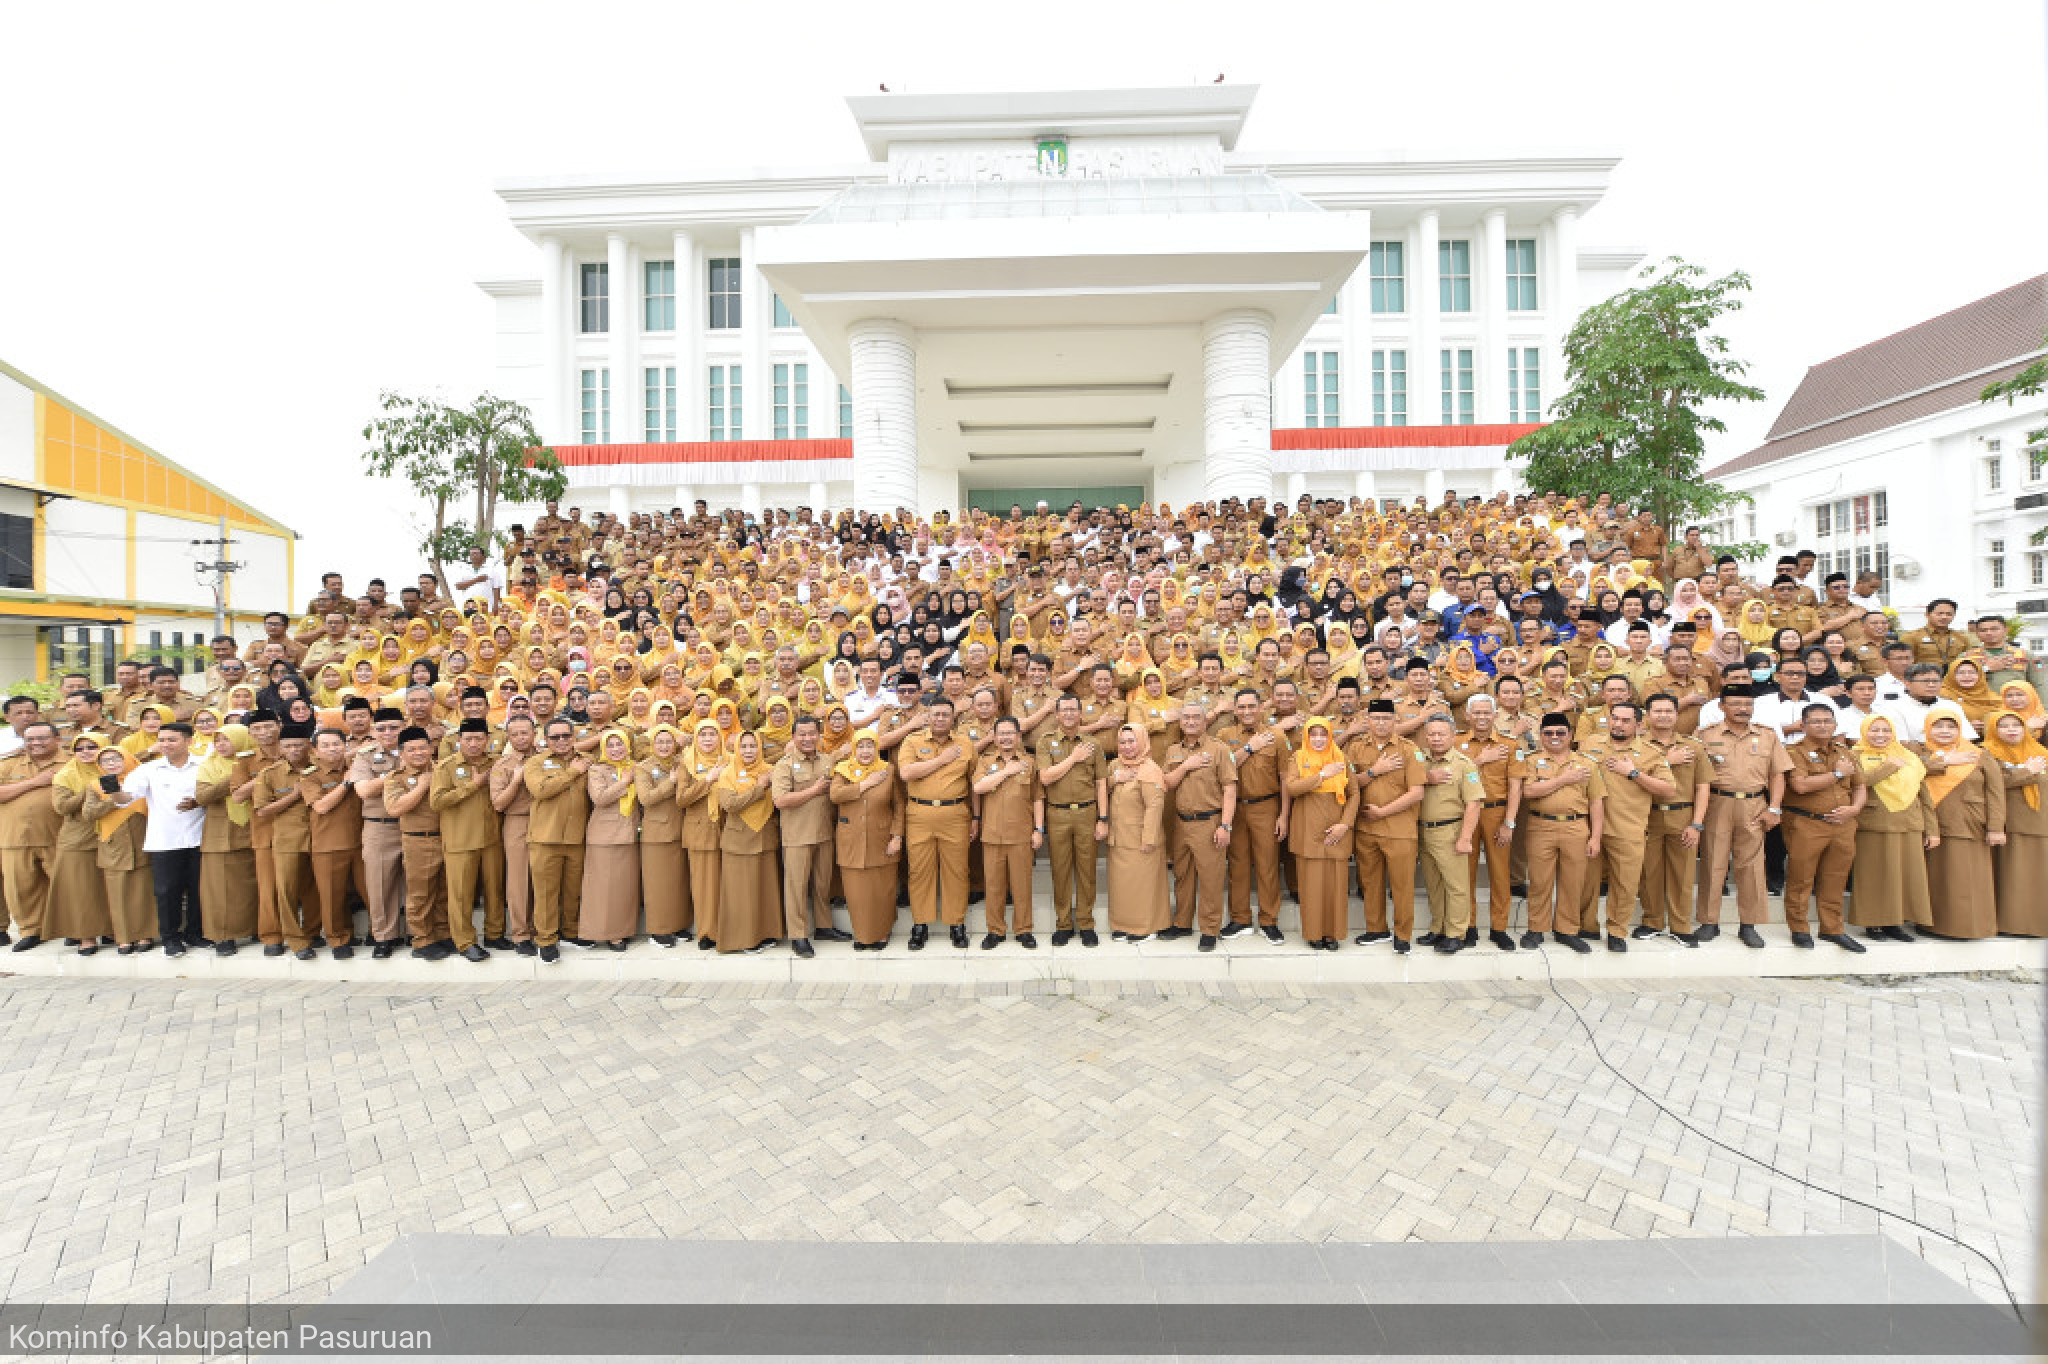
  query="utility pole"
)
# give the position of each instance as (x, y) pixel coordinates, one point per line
(215, 575)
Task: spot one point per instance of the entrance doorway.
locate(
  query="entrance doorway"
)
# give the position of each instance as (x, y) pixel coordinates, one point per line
(998, 501)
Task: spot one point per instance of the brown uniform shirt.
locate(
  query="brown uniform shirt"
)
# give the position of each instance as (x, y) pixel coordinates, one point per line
(809, 823)
(468, 823)
(30, 820)
(1687, 759)
(1566, 800)
(1810, 759)
(291, 829)
(1742, 760)
(1448, 799)
(1493, 776)
(1388, 787)
(369, 763)
(340, 829)
(1077, 786)
(1258, 774)
(948, 782)
(1006, 812)
(1628, 802)
(561, 802)
(422, 818)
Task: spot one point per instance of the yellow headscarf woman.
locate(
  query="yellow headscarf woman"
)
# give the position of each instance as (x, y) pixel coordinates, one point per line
(979, 631)
(328, 683)
(615, 755)
(810, 697)
(1345, 659)
(2015, 752)
(1133, 661)
(1752, 622)
(1957, 756)
(738, 773)
(2022, 700)
(725, 713)
(229, 743)
(852, 768)
(835, 730)
(1311, 760)
(1878, 745)
(81, 773)
(107, 824)
(141, 745)
(778, 722)
(1965, 685)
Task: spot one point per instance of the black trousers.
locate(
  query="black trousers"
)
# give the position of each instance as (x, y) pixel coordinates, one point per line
(176, 874)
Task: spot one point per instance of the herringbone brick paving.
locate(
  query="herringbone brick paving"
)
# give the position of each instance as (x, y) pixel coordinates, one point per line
(244, 1141)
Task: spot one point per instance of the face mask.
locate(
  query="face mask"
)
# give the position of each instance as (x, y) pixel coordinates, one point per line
(1760, 674)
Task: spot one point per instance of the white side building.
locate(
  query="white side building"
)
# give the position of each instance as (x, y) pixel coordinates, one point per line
(1885, 459)
(1094, 294)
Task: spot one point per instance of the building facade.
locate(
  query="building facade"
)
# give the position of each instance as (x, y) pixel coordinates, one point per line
(100, 539)
(1885, 459)
(1052, 294)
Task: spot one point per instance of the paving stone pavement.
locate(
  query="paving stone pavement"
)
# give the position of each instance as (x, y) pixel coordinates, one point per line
(242, 1141)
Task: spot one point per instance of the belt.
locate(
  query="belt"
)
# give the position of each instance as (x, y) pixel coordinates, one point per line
(1674, 805)
(1736, 795)
(1560, 819)
(380, 819)
(410, 834)
(1441, 823)
(920, 800)
(1198, 815)
(1491, 804)
(1803, 814)
(1256, 800)
(1073, 804)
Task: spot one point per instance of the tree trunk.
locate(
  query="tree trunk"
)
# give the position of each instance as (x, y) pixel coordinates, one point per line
(434, 548)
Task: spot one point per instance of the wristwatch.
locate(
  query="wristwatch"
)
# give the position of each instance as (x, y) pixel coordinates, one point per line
(1507, 824)
(1224, 827)
(1773, 810)
(1697, 827)
(1634, 772)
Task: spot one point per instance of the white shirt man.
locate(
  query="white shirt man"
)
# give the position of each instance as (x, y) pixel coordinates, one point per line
(166, 787)
(863, 705)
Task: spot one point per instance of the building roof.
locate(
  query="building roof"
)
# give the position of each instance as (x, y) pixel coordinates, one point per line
(1933, 366)
(1239, 192)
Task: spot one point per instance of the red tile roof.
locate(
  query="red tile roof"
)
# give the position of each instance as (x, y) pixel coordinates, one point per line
(1934, 366)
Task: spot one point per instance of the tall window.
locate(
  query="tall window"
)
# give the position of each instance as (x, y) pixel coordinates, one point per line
(1454, 276)
(597, 406)
(724, 292)
(783, 317)
(725, 402)
(594, 298)
(792, 402)
(1390, 388)
(1994, 473)
(1389, 277)
(1524, 403)
(1457, 366)
(1330, 308)
(661, 403)
(1522, 275)
(2037, 568)
(1996, 557)
(1319, 387)
(660, 282)
(845, 412)
(18, 552)
(1852, 535)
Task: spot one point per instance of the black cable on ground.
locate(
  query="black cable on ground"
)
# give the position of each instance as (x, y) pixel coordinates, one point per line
(1551, 979)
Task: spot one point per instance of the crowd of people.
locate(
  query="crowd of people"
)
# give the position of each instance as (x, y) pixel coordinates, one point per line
(714, 728)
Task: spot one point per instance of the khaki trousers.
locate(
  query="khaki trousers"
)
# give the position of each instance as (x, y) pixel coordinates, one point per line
(1255, 853)
(426, 890)
(298, 906)
(518, 878)
(1621, 860)
(268, 927)
(1666, 889)
(1818, 859)
(384, 878)
(1734, 838)
(1070, 835)
(27, 872)
(1500, 894)
(936, 838)
(481, 869)
(703, 871)
(1557, 871)
(1199, 878)
(1006, 875)
(806, 888)
(1447, 880)
(1386, 865)
(557, 889)
(333, 872)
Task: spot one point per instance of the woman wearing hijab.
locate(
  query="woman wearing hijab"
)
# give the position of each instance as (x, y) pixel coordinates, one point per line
(1754, 624)
(123, 865)
(1325, 802)
(227, 857)
(1965, 685)
(2021, 866)
(1137, 840)
(696, 782)
(868, 840)
(749, 902)
(611, 857)
(77, 909)
(1894, 835)
(1969, 804)
(2022, 700)
(1153, 711)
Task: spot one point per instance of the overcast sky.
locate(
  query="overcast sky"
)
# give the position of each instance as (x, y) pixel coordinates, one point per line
(227, 234)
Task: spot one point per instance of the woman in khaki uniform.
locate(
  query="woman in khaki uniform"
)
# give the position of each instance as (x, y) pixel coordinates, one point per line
(78, 897)
(1138, 905)
(664, 884)
(868, 840)
(695, 778)
(227, 860)
(1153, 711)
(611, 856)
(2022, 864)
(1969, 803)
(749, 900)
(123, 865)
(1894, 835)
(1324, 805)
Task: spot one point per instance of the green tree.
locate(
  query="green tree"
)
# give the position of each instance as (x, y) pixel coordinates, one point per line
(2030, 382)
(488, 451)
(1641, 367)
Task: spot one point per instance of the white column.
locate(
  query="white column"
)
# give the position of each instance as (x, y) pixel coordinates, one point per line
(686, 498)
(883, 355)
(1561, 308)
(756, 324)
(621, 500)
(1297, 484)
(692, 397)
(818, 497)
(1425, 366)
(1237, 428)
(1362, 486)
(556, 423)
(1433, 485)
(1489, 376)
(629, 398)
(750, 498)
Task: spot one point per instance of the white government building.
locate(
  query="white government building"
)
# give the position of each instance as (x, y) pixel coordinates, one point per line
(1088, 294)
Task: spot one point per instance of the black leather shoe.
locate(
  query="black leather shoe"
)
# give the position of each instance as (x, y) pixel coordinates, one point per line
(4, 938)
(475, 952)
(1472, 936)
(616, 945)
(1706, 933)
(989, 942)
(1088, 938)
(1499, 938)
(1368, 939)
(830, 934)
(1207, 944)
(126, 950)
(343, 952)
(1062, 936)
(498, 944)
(958, 934)
(1236, 927)
(1617, 944)
(1573, 941)
(1845, 942)
(1170, 932)
(226, 947)
(433, 951)
(1686, 939)
(665, 939)
(526, 949)
(1803, 940)
(305, 954)
(1750, 937)
(1027, 942)
(1641, 931)
(919, 935)
(30, 942)
(194, 940)
(1273, 933)
(1427, 939)
(584, 943)
(1449, 946)
(551, 953)
(802, 947)
(1531, 941)
(1898, 933)
(383, 950)
(1401, 946)
(273, 949)
(706, 944)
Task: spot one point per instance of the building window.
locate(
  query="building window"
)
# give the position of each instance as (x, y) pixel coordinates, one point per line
(1389, 277)
(1330, 308)
(1457, 367)
(2037, 568)
(724, 289)
(1390, 388)
(660, 282)
(597, 406)
(1522, 275)
(782, 313)
(1454, 276)
(725, 402)
(1525, 404)
(845, 412)
(18, 552)
(1994, 473)
(1853, 529)
(792, 402)
(1996, 558)
(2037, 461)
(594, 298)
(86, 651)
(1319, 387)
(661, 403)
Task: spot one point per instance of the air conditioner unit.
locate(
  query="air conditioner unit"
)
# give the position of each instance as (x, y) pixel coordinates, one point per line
(1786, 539)
(1906, 568)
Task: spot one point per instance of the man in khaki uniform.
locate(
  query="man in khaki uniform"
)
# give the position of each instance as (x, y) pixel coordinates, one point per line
(1010, 806)
(1452, 799)
(1636, 778)
(336, 838)
(801, 783)
(1562, 793)
(1391, 780)
(384, 876)
(1033, 703)
(1492, 754)
(277, 803)
(28, 829)
(1748, 767)
(935, 763)
(1671, 851)
(1201, 776)
(1073, 774)
(1935, 642)
(561, 809)
(1824, 795)
(407, 793)
(1260, 826)
(472, 854)
(514, 806)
